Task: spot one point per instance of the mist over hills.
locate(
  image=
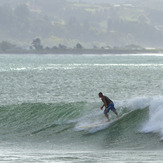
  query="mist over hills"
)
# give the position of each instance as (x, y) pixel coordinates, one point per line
(91, 23)
(157, 4)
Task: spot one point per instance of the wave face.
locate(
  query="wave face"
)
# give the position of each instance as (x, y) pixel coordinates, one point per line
(139, 125)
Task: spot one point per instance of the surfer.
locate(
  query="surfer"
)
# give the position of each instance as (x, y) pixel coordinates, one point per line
(109, 105)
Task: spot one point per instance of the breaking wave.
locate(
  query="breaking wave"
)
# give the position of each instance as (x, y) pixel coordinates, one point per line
(60, 123)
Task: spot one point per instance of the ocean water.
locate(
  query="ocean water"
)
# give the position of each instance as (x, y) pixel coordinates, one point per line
(46, 102)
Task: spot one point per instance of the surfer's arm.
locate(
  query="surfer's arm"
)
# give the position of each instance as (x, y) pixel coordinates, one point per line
(102, 107)
(104, 101)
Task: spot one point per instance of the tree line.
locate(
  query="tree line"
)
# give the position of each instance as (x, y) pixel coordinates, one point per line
(37, 47)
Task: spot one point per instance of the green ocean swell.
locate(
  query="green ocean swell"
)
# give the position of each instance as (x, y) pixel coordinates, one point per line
(55, 123)
(28, 118)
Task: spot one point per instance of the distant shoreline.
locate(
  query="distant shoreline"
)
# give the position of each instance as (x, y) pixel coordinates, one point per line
(83, 51)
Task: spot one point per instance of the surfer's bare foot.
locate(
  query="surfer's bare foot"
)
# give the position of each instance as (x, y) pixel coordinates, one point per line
(108, 120)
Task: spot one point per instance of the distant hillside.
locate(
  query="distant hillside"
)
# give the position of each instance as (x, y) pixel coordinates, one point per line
(104, 1)
(69, 22)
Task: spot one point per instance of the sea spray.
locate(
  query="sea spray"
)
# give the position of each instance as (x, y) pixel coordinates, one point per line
(155, 122)
(136, 103)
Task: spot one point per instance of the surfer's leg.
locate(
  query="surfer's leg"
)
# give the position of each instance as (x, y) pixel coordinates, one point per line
(116, 114)
(106, 115)
(114, 110)
(106, 111)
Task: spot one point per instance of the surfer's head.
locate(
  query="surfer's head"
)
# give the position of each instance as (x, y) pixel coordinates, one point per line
(100, 94)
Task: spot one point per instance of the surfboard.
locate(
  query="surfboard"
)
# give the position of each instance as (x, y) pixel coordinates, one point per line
(98, 125)
(94, 125)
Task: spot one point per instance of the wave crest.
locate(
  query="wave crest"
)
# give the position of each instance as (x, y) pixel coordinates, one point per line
(155, 122)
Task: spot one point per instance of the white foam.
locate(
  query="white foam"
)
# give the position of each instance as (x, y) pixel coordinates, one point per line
(134, 103)
(155, 122)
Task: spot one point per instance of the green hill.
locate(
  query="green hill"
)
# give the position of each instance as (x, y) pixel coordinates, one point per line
(92, 24)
